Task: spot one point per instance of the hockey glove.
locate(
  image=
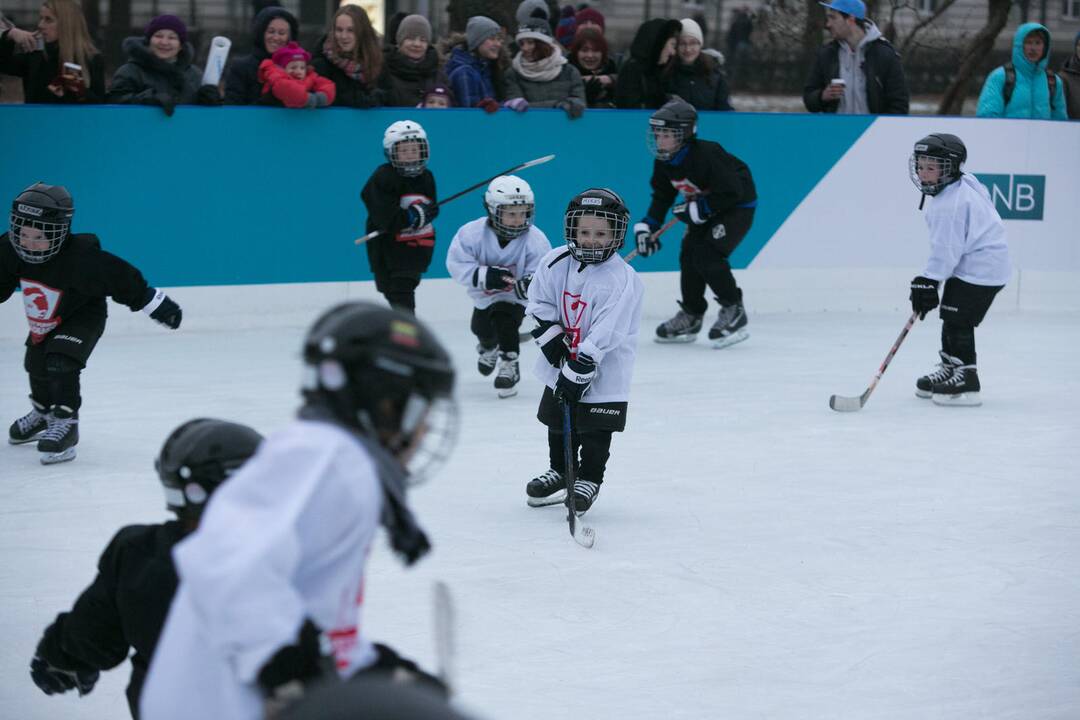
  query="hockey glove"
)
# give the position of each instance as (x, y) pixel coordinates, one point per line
(421, 214)
(694, 212)
(924, 297)
(553, 342)
(575, 378)
(493, 278)
(521, 287)
(646, 243)
(292, 668)
(54, 681)
(391, 666)
(161, 308)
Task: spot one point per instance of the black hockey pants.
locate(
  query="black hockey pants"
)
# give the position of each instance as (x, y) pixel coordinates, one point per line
(498, 324)
(703, 262)
(963, 307)
(54, 363)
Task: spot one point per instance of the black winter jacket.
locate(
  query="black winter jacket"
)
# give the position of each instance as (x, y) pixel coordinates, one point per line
(886, 88)
(403, 82)
(350, 93)
(145, 76)
(242, 86)
(701, 84)
(641, 82)
(40, 68)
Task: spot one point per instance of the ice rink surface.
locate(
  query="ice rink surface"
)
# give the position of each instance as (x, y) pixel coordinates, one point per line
(758, 555)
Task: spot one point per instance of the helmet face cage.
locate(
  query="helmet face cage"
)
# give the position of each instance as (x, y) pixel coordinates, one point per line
(656, 127)
(946, 172)
(433, 432)
(593, 253)
(35, 240)
(413, 166)
(502, 228)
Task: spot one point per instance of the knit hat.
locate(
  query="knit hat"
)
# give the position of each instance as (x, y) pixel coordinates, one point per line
(531, 10)
(535, 29)
(589, 15)
(289, 53)
(167, 22)
(440, 90)
(479, 29)
(564, 31)
(691, 28)
(413, 26)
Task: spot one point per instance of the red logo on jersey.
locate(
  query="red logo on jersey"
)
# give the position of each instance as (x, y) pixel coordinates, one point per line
(423, 236)
(573, 308)
(41, 302)
(687, 187)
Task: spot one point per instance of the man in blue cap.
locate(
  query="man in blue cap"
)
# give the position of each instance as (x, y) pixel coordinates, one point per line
(858, 71)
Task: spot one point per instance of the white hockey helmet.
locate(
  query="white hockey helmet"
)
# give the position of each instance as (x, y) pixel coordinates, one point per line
(409, 164)
(504, 192)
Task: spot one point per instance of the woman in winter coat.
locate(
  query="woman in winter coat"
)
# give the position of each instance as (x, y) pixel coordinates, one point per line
(1031, 91)
(589, 54)
(697, 77)
(159, 69)
(272, 29)
(644, 76)
(48, 75)
(412, 65)
(540, 76)
(350, 56)
(1070, 77)
(475, 68)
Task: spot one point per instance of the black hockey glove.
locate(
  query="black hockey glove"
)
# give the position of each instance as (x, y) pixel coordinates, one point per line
(924, 297)
(493, 278)
(293, 667)
(553, 342)
(54, 681)
(575, 378)
(399, 670)
(643, 236)
(694, 212)
(161, 308)
(521, 287)
(421, 214)
(208, 95)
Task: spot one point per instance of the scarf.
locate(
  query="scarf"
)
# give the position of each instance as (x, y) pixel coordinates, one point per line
(350, 67)
(544, 70)
(412, 70)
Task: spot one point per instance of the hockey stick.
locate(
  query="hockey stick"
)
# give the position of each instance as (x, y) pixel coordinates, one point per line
(455, 196)
(444, 634)
(634, 253)
(583, 535)
(839, 403)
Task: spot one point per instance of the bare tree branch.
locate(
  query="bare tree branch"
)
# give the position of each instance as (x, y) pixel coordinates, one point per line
(952, 102)
(942, 7)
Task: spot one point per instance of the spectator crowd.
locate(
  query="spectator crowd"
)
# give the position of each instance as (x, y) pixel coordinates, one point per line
(559, 61)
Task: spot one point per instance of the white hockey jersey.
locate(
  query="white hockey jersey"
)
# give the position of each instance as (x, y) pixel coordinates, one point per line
(599, 307)
(475, 248)
(967, 237)
(286, 538)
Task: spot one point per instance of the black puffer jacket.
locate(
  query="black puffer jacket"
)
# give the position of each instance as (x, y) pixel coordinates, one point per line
(886, 89)
(404, 81)
(145, 76)
(702, 84)
(242, 86)
(41, 67)
(641, 81)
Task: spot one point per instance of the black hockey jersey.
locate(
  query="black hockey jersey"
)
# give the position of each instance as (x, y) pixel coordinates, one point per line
(388, 195)
(77, 278)
(123, 608)
(703, 169)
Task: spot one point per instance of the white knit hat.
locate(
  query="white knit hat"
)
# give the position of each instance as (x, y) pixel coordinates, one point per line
(691, 28)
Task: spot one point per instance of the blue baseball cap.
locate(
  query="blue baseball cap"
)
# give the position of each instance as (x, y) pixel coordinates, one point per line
(854, 8)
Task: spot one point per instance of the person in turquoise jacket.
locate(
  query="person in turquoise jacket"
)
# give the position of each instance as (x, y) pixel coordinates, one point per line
(1031, 93)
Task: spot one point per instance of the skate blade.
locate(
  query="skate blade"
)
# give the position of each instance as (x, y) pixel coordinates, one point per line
(675, 339)
(968, 399)
(558, 498)
(504, 393)
(924, 394)
(54, 458)
(728, 340)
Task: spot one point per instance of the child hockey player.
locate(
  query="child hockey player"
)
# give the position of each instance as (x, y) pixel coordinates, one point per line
(126, 604)
(495, 257)
(400, 201)
(288, 80)
(718, 208)
(968, 252)
(272, 584)
(65, 279)
(587, 304)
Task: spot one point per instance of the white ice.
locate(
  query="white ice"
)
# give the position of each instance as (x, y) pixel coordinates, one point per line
(758, 555)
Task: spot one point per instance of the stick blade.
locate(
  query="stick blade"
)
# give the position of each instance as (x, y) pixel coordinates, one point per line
(839, 403)
(538, 161)
(584, 535)
(444, 632)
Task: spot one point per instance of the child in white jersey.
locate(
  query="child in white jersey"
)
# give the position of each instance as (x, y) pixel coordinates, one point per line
(495, 257)
(968, 252)
(587, 304)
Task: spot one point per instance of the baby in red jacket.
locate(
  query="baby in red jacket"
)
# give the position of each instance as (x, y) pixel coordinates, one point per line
(288, 80)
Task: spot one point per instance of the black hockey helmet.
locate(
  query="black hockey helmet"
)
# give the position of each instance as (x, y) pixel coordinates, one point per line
(381, 371)
(675, 117)
(943, 151)
(197, 457)
(601, 203)
(45, 211)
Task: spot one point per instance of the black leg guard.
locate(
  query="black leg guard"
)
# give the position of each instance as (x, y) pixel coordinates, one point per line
(958, 341)
(506, 319)
(595, 451)
(556, 453)
(483, 328)
(63, 379)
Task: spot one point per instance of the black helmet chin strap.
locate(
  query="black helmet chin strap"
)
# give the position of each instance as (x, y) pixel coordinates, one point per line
(922, 200)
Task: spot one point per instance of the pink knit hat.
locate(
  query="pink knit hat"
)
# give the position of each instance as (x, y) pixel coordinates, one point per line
(289, 53)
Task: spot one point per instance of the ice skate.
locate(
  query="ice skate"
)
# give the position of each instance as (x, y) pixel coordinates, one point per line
(962, 389)
(486, 362)
(682, 328)
(945, 369)
(730, 326)
(549, 488)
(30, 426)
(508, 377)
(585, 492)
(57, 443)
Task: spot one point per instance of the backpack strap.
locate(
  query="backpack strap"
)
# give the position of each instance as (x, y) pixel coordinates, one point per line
(1051, 83)
(1010, 82)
